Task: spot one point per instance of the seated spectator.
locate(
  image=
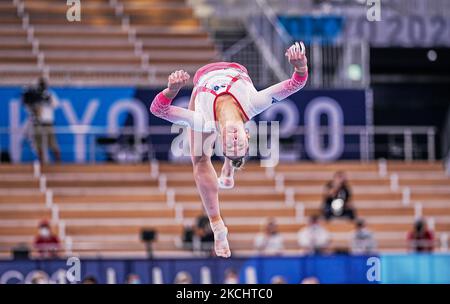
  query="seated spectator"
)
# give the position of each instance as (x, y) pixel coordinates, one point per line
(278, 280)
(363, 241)
(187, 238)
(89, 280)
(203, 232)
(198, 237)
(314, 238)
(21, 252)
(269, 241)
(337, 198)
(231, 276)
(421, 239)
(46, 243)
(310, 280)
(39, 277)
(133, 278)
(183, 277)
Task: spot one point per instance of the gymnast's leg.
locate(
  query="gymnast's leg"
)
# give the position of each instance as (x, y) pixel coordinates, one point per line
(206, 180)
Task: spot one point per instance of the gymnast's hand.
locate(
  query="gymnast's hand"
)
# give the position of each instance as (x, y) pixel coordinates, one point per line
(176, 81)
(296, 55)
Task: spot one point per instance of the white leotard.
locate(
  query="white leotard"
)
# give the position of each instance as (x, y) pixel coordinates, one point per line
(219, 80)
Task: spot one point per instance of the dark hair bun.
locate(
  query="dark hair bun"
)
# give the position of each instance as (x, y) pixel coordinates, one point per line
(238, 163)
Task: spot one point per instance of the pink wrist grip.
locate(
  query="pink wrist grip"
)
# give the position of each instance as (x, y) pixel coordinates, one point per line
(298, 78)
(160, 104)
(163, 99)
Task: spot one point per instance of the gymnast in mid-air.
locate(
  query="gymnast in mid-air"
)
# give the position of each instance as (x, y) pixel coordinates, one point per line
(222, 101)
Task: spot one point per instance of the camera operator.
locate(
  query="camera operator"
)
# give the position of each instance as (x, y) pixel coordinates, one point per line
(41, 107)
(337, 198)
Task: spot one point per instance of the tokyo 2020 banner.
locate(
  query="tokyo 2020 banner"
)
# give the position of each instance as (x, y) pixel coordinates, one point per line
(313, 124)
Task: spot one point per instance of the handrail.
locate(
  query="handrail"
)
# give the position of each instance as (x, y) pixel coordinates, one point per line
(271, 16)
(269, 38)
(236, 48)
(446, 142)
(31, 37)
(132, 37)
(365, 146)
(447, 164)
(91, 129)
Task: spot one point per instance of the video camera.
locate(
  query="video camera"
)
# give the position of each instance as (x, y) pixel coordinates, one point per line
(33, 96)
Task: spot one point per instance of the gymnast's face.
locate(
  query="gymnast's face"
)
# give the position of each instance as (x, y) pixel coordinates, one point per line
(234, 141)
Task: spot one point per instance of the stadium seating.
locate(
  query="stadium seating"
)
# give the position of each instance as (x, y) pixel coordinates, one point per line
(124, 42)
(99, 210)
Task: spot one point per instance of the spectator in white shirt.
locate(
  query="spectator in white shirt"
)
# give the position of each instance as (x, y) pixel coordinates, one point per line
(314, 238)
(269, 241)
(363, 241)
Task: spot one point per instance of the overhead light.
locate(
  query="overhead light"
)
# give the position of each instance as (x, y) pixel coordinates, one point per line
(432, 55)
(354, 72)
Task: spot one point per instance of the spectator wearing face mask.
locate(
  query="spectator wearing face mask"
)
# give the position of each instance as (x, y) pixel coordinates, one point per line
(46, 243)
(421, 239)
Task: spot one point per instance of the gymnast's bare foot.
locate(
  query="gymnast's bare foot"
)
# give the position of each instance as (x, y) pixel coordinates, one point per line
(221, 246)
(226, 179)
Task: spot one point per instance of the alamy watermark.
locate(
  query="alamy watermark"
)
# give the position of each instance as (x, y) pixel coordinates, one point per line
(263, 142)
(74, 11)
(373, 274)
(374, 10)
(73, 274)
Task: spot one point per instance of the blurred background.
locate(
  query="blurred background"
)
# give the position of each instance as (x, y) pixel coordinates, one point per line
(87, 172)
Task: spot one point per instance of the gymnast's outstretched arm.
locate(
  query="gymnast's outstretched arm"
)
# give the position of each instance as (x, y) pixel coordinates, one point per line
(297, 57)
(162, 108)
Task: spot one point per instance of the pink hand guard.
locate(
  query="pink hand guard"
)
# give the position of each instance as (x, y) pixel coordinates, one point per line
(290, 86)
